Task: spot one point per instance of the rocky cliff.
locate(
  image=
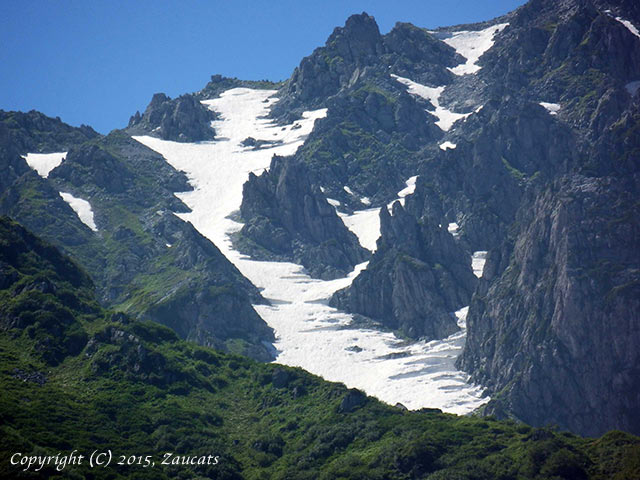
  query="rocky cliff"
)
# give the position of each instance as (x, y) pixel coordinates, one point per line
(374, 128)
(552, 328)
(550, 145)
(416, 279)
(288, 219)
(183, 119)
(552, 322)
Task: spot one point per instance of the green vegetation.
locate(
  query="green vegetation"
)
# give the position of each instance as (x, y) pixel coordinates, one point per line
(130, 258)
(136, 389)
(514, 172)
(349, 154)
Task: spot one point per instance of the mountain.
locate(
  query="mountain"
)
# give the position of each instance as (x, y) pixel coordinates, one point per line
(360, 198)
(75, 376)
(530, 153)
(143, 259)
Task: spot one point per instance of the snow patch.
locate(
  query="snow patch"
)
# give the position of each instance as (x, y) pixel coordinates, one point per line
(333, 202)
(452, 228)
(552, 108)
(348, 190)
(461, 315)
(446, 118)
(410, 187)
(82, 209)
(408, 190)
(43, 163)
(630, 26)
(632, 87)
(366, 200)
(471, 45)
(310, 334)
(447, 145)
(478, 259)
(366, 226)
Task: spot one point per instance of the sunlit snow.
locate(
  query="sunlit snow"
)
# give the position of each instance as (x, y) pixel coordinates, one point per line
(630, 26)
(552, 108)
(446, 118)
(452, 228)
(310, 334)
(471, 45)
(478, 259)
(43, 163)
(447, 145)
(82, 209)
(365, 224)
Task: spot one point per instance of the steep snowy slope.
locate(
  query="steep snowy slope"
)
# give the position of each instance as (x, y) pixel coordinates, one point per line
(309, 333)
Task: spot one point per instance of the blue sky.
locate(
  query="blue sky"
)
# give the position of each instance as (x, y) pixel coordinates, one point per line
(97, 62)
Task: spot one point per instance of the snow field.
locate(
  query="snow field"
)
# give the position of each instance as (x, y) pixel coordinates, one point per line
(471, 45)
(43, 163)
(310, 334)
(478, 259)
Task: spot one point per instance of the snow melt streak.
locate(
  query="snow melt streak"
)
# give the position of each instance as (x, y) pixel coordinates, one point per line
(310, 334)
(82, 209)
(446, 118)
(471, 45)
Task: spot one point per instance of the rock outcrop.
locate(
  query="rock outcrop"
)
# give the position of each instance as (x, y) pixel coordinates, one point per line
(553, 327)
(35, 132)
(416, 279)
(288, 219)
(183, 119)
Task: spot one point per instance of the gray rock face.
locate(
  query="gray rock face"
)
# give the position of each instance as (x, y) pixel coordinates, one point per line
(506, 147)
(554, 335)
(288, 219)
(415, 281)
(183, 119)
(352, 400)
(35, 132)
(374, 128)
(552, 323)
(321, 75)
(358, 49)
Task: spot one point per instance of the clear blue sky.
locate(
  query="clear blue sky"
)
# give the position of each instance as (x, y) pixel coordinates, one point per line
(97, 62)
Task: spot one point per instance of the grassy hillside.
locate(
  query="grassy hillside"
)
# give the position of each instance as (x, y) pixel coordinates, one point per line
(74, 376)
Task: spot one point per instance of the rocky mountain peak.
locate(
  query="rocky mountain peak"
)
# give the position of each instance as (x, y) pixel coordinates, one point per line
(358, 40)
